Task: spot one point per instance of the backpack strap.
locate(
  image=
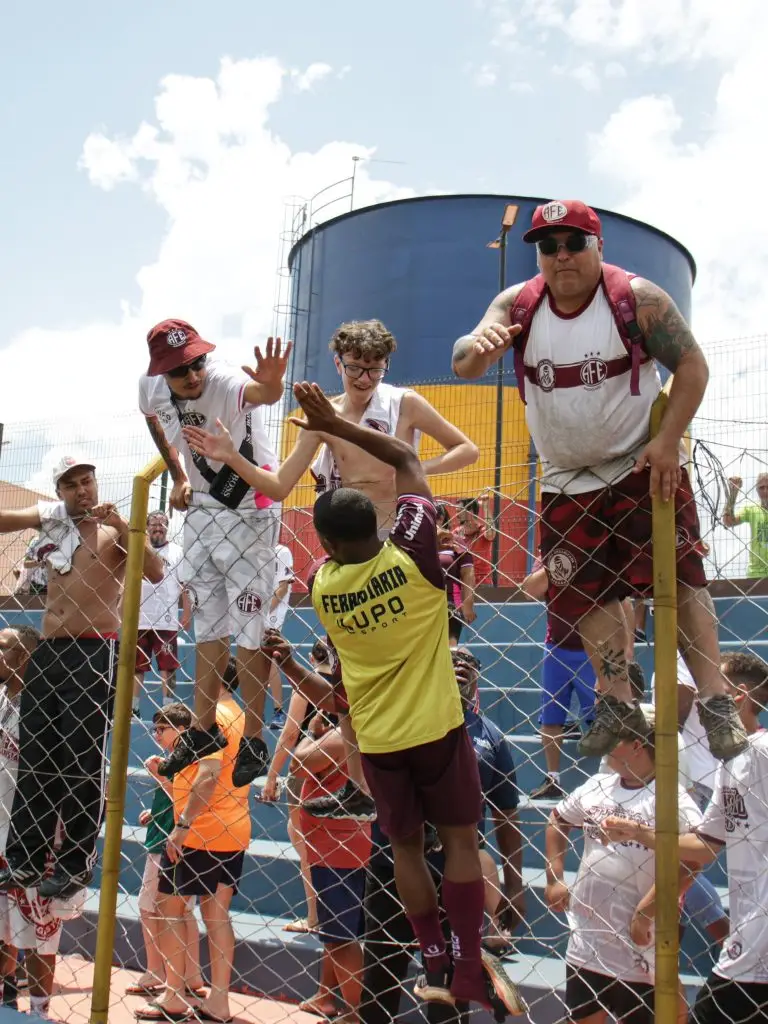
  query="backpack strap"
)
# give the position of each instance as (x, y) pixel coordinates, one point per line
(621, 299)
(525, 305)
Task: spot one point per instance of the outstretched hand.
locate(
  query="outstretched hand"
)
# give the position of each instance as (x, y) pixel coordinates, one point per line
(270, 368)
(218, 446)
(320, 414)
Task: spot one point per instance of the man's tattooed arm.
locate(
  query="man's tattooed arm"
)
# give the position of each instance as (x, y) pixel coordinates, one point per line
(169, 454)
(668, 338)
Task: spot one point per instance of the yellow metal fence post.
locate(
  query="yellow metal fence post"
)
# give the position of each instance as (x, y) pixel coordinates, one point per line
(121, 740)
(667, 828)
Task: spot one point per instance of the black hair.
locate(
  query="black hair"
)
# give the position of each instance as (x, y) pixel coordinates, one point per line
(174, 714)
(319, 652)
(443, 516)
(345, 515)
(229, 678)
(742, 668)
(471, 505)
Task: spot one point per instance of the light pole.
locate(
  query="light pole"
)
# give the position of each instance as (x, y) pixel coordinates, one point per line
(500, 243)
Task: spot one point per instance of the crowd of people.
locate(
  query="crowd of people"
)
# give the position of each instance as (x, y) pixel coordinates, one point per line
(394, 768)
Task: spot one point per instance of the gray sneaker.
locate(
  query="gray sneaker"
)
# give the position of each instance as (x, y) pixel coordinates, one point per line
(725, 731)
(614, 720)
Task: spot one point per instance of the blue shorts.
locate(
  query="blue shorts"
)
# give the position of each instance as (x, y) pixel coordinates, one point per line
(563, 672)
(340, 893)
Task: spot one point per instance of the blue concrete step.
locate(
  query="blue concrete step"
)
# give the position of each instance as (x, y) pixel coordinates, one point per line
(271, 886)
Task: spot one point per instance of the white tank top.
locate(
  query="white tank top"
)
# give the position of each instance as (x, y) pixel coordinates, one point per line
(586, 426)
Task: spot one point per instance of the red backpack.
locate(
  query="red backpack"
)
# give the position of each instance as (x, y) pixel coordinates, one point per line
(621, 299)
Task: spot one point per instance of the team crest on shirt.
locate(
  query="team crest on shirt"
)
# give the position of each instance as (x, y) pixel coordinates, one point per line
(734, 951)
(193, 419)
(682, 537)
(249, 602)
(593, 372)
(554, 211)
(561, 565)
(545, 374)
(176, 337)
(194, 600)
(734, 808)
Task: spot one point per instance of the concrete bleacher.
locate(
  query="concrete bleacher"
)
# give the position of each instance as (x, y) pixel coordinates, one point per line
(508, 640)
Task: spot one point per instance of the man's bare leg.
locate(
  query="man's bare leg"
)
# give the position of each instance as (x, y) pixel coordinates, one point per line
(552, 743)
(171, 935)
(352, 752)
(603, 631)
(276, 688)
(211, 657)
(253, 672)
(221, 948)
(41, 968)
(698, 643)
(604, 635)
(168, 684)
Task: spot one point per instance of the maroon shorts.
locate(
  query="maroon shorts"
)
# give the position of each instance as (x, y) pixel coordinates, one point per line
(597, 546)
(438, 782)
(160, 644)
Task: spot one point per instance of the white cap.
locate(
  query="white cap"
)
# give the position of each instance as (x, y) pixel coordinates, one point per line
(67, 463)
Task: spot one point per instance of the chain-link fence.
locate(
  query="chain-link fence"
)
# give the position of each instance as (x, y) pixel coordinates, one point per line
(262, 910)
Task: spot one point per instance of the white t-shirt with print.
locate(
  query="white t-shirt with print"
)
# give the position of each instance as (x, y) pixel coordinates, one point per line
(701, 764)
(283, 572)
(222, 398)
(738, 817)
(612, 879)
(160, 601)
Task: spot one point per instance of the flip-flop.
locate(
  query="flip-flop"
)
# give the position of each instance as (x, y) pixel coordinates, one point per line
(155, 1013)
(332, 1015)
(299, 926)
(152, 991)
(204, 1015)
(200, 992)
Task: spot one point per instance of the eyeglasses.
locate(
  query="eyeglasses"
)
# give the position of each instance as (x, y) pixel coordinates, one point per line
(157, 729)
(194, 367)
(577, 242)
(355, 372)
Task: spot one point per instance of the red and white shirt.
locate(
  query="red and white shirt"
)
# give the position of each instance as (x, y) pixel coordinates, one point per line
(587, 434)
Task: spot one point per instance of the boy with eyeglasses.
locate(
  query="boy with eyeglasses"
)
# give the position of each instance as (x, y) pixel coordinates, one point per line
(361, 351)
(585, 337)
(167, 726)
(230, 530)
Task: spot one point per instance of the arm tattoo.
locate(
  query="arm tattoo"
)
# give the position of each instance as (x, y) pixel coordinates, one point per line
(667, 336)
(168, 454)
(463, 347)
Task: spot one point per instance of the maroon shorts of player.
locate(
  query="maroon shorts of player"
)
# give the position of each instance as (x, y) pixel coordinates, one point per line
(597, 546)
(162, 644)
(438, 782)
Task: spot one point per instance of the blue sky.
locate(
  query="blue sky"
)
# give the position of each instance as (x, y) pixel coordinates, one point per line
(147, 149)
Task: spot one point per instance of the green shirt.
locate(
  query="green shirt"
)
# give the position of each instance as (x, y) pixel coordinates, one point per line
(757, 517)
(161, 823)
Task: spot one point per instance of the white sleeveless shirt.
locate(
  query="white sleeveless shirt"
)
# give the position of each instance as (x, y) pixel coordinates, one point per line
(587, 428)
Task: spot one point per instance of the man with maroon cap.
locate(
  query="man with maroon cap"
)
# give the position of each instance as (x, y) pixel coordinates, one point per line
(586, 337)
(230, 530)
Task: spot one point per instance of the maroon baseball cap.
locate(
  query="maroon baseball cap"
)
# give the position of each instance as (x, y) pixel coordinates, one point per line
(563, 213)
(174, 343)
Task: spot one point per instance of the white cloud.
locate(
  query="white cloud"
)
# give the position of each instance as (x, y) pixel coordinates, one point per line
(614, 70)
(585, 74)
(211, 160)
(522, 88)
(306, 80)
(485, 76)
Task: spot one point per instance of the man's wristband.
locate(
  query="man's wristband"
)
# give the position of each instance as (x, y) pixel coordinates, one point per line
(182, 824)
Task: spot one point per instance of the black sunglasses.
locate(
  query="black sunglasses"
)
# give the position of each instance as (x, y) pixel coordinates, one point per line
(577, 242)
(194, 367)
